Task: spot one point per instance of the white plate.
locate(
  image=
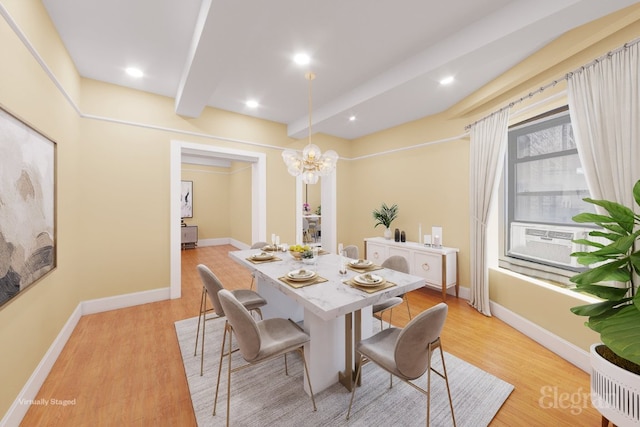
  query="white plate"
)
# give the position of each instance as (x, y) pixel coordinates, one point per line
(369, 279)
(301, 275)
(262, 256)
(360, 263)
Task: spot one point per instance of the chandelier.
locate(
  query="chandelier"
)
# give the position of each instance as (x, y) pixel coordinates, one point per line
(312, 164)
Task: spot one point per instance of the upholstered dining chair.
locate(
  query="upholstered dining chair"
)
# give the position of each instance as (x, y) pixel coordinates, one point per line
(351, 251)
(211, 287)
(256, 245)
(306, 235)
(397, 263)
(406, 353)
(258, 341)
(259, 245)
(313, 228)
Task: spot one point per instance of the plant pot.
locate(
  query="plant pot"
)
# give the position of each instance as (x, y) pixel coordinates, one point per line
(387, 233)
(615, 392)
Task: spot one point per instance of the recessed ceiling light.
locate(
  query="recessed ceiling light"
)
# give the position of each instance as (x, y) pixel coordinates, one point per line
(252, 103)
(352, 118)
(134, 72)
(446, 80)
(301, 59)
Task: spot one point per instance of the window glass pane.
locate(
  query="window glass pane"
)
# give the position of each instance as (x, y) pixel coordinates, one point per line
(545, 141)
(550, 190)
(546, 185)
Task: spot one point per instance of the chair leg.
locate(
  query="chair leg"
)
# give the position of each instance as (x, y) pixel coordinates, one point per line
(429, 385)
(306, 371)
(253, 279)
(353, 390)
(229, 381)
(224, 338)
(203, 303)
(446, 380)
(406, 300)
(286, 369)
(204, 322)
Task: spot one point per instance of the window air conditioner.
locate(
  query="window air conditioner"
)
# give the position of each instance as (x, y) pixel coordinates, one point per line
(547, 243)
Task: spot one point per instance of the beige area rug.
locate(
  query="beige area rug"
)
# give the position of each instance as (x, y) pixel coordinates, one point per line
(263, 395)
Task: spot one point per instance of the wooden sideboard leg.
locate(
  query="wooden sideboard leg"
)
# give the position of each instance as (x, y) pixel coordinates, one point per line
(444, 277)
(457, 275)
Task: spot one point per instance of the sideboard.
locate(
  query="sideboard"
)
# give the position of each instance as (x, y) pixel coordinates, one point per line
(438, 266)
(189, 236)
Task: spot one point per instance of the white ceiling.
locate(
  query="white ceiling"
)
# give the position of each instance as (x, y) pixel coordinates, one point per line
(378, 60)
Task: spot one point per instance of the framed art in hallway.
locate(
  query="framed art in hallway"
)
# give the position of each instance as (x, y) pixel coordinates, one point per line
(27, 206)
(186, 199)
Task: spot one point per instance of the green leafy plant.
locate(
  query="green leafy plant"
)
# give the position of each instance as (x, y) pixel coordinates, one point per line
(385, 215)
(613, 276)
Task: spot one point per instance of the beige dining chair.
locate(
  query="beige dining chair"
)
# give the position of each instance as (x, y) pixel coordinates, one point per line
(259, 245)
(397, 263)
(306, 235)
(406, 353)
(313, 228)
(211, 287)
(351, 251)
(258, 342)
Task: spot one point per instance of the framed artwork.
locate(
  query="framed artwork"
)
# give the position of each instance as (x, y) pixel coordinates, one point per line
(27, 206)
(186, 199)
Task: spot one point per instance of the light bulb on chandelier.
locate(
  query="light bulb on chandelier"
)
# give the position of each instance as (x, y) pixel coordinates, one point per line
(312, 164)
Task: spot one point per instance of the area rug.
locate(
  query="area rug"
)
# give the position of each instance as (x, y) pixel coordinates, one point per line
(263, 395)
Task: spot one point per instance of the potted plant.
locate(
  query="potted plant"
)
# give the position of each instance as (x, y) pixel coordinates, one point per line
(385, 216)
(613, 278)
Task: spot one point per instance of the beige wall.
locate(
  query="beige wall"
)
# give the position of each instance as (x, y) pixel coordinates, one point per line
(113, 179)
(240, 202)
(211, 210)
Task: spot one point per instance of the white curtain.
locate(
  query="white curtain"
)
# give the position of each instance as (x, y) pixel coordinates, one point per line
(488, 145)
(605, 116)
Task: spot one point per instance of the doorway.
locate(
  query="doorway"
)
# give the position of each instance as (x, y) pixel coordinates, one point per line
(258, 196)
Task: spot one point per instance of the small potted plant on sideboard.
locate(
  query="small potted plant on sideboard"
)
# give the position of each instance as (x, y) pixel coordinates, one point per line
(385, 216)
(613, 277)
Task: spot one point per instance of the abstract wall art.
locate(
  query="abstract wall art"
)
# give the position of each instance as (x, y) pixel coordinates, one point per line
(186, 199)
(27, 206)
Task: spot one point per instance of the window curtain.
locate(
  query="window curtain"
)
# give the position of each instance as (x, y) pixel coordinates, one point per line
(488, 145)
(604, 106)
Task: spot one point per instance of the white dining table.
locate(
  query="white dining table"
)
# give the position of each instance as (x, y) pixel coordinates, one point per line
(333, 313)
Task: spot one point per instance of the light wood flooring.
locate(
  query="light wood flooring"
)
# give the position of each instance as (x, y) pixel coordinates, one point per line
(123, 367)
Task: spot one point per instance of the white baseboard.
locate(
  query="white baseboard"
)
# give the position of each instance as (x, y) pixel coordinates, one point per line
(559, 346)
(214, 242)
(123, 301)
(223, 241)
(21, 404)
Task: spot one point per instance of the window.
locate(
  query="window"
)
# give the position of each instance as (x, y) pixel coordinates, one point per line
(544, 188)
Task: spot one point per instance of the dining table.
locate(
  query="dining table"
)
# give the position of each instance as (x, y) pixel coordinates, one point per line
(334, 309)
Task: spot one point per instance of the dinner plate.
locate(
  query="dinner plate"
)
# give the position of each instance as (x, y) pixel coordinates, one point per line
(301, 275)
(262, 256)
(368, 279)
(360, 263)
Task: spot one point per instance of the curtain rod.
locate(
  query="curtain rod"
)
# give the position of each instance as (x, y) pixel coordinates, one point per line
(555, 82)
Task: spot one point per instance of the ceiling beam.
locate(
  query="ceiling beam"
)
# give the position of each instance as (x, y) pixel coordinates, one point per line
(201, 73)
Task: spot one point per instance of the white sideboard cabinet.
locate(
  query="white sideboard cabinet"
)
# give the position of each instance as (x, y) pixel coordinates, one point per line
(189, 236)
(438, 266)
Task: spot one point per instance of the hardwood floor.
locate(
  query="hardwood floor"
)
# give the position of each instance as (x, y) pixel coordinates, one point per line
(123, 367)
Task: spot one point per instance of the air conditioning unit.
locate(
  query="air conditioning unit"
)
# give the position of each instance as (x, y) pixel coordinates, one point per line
(547, 243)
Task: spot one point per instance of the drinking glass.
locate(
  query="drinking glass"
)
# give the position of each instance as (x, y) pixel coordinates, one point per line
(342, 268)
